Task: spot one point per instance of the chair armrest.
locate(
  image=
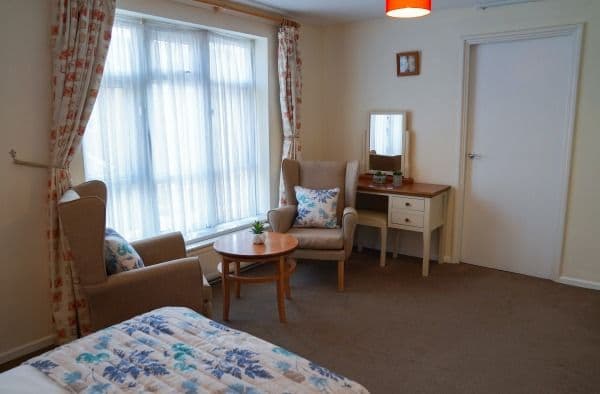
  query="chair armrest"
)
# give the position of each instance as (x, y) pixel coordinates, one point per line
(161, 248)
(281, 219)
(127, 294)
(349, 220)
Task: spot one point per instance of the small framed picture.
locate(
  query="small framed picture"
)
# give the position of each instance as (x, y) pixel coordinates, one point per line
(408, 63)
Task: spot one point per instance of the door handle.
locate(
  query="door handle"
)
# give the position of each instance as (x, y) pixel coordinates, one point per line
(473, 156)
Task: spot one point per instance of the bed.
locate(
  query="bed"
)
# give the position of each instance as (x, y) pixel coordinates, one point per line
(173, 349)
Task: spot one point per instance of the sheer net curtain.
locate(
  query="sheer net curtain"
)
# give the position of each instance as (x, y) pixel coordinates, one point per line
(174, 133)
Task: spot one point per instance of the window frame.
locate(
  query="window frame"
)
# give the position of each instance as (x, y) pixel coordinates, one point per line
(260, 86)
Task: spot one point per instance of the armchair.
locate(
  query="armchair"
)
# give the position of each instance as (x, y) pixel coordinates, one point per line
(320, 243)
(169, 278)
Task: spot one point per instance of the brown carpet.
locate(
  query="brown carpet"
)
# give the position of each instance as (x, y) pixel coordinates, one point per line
(465, 329)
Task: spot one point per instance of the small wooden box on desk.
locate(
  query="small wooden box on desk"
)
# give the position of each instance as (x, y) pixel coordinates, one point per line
(418, 207)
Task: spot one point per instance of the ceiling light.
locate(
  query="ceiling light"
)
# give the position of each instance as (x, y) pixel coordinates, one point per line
(407, 8)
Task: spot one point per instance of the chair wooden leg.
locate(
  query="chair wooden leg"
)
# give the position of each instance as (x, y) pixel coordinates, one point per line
(341, 275)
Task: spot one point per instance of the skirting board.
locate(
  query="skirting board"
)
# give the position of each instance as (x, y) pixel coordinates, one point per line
(588, 284)
(27, 348)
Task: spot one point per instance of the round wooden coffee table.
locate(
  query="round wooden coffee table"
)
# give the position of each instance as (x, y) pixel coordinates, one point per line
(238, 247)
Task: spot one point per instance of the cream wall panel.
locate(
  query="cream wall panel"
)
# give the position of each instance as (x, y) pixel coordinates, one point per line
(313, 109)
(360, 64)
(25, 115)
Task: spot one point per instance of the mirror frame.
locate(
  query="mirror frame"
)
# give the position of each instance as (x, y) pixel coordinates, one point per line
(405, 143)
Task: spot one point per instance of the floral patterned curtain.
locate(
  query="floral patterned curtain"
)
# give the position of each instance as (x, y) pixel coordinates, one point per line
(290, 95)
(80, 35)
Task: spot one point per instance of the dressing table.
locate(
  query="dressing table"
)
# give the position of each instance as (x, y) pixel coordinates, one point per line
(417, 207)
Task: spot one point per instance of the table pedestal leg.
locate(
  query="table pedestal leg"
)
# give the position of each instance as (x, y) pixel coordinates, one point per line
(288, 289)
(237, 282)
(281, 289)
(225, 281)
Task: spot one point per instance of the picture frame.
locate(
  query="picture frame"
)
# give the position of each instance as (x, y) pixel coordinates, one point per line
(408, 63)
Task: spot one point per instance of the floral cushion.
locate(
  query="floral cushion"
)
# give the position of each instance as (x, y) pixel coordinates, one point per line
(316, 207)
(119, 255)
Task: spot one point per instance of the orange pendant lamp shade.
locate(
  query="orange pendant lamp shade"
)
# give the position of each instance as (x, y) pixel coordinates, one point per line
(407, 8)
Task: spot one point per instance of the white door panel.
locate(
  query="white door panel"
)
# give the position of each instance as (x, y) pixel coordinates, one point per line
(518, 123)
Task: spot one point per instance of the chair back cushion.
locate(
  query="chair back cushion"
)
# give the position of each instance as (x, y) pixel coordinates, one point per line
(316, 207)
(119, 255)
(315, 175)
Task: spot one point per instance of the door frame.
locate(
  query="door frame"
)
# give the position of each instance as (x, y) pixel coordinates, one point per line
(574, 30)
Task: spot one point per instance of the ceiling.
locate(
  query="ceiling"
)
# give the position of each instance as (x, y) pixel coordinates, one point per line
(322, 12)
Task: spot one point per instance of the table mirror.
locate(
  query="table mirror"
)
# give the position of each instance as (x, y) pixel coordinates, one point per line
(387, 143)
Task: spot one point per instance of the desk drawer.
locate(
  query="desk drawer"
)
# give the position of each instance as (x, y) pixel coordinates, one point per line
(407, 217)
(410, 203)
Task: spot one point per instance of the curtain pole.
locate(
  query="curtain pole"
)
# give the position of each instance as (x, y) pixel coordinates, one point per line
(220, 4)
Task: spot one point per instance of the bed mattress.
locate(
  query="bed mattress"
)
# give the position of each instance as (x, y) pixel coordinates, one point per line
(173, 349)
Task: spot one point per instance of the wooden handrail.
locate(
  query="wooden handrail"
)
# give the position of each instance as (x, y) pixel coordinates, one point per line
(227, 5)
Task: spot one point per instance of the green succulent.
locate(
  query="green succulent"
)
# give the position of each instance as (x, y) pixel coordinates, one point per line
(258, 227)
(397, 172)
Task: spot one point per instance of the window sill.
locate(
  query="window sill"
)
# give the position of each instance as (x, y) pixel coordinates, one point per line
(208, 237)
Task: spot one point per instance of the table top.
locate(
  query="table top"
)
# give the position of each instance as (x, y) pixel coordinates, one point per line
(365, 183)
(239, 245)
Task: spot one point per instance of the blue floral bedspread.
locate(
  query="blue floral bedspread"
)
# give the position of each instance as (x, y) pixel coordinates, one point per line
(178, 350)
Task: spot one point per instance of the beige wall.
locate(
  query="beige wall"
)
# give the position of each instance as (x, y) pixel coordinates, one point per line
(25, 113)
(313, 107)
(359, 59)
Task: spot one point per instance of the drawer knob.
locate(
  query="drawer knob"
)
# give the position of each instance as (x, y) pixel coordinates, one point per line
(407, 204)
(407, 220)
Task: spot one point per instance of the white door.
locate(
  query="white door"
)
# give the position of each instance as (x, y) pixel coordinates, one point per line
(518, 131)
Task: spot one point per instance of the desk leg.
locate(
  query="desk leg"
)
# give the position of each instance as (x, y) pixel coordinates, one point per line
(426, 250)
(442, 231)
(225, 281)
(281, 289)
(237, 282)
(442, 244)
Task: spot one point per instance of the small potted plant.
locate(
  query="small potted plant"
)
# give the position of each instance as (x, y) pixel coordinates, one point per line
(379, 177)
(397, 178)
(258, 229)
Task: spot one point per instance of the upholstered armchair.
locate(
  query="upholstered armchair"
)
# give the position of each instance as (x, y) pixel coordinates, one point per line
(320, 243)
(169, 278)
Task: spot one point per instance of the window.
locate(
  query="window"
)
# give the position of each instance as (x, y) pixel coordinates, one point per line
(174, 131)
